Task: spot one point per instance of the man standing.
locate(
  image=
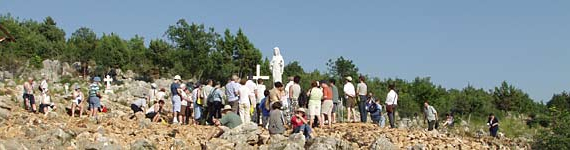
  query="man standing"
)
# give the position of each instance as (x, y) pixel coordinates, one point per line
(259, 94)
(244, 102)
(232, 93)
(430, 115)
(335, 98)
(44, 84)
(176, 99)
(391, 103)
(362, 89)
(207, 90)
(285, 100)
(252, 97)
(29, 99)
(275, 95)
(350, 98)
(215, 107)
(294, 92)
(94, 96)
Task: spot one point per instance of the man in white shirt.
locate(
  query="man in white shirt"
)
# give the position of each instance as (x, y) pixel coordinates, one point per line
(285, 100)
(252, 98)
(391, 103)
(244, 102)
(350, 95)
(44, 84)
(260, 88)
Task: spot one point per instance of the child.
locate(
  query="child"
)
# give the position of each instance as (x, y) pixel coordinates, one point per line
(264, 110)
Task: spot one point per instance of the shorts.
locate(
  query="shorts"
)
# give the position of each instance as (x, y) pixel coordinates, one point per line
(42, 106)
(94, 102)
(176, 103)
(335, 107)
(30, 97)
(151, 115)
(76, 101)
(183, 109)
(327, 107)
(351, 102)
(314, 109)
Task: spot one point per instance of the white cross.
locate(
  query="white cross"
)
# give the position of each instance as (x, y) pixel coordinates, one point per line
(258, 74)
(108, 79)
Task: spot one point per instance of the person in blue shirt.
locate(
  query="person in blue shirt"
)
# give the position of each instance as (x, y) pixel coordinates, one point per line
(375, 110)
(264, 110)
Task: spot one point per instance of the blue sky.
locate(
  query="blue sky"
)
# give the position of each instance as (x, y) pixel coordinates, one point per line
(457, 43)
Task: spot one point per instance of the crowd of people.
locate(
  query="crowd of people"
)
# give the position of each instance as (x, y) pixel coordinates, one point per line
(248, 100)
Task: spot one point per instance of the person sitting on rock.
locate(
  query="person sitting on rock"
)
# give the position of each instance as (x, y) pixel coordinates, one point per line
(276, 119)
(46, 105)
(448, 121)
(153, 112)
(229, 120)
(77, 102)
(301, 124)
(139, 105)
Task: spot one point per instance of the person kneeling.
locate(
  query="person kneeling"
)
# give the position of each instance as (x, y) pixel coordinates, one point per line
(229, 120)
(276, 119)
(300, 123)
(139, 105)
(153, 112)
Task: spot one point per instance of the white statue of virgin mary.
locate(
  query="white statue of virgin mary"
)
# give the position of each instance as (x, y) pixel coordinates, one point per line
(277, 65)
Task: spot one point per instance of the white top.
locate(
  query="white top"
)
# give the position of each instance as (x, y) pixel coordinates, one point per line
(160, 95)
(46, 100)
(291, 83)
(151, 109)
(184, 98)
(140, 102)
(44, 85)
(362, 89)
(206, 91)
(260, 89)
(392, 98)
(251, 85)
(349, 89)
(244, 95)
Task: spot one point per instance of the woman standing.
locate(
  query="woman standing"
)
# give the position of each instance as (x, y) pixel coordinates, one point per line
(493, 124)
(315, 97)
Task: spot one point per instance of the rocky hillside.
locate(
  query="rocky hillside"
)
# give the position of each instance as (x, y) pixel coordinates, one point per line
(120, 129)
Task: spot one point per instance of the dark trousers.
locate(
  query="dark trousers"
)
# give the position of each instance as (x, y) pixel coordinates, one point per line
(362, 108)
(214, 111)
(235, 106)
(431, 124)
(256, 114)
(392, 119)
(135, 108)
(494, 131)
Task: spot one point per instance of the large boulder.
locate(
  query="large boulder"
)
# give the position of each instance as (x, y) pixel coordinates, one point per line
(383, 143)
(245, 133)
(329, 143)
(142, 144)
(52, 69)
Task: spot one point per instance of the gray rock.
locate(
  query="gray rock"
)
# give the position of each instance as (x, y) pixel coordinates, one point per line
(419, 147)
(4, 114)
(297, 138)
(335, 143)
(11, 144)
(219, 144)
(179, 144)
(144, 123)
(383, 144)
(278, 138)
(8, 75)
(142, 144)
(245, 133)
(11, 83)
(243, 146)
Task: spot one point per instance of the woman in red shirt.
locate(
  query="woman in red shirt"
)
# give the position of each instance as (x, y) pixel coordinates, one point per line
(300, 123)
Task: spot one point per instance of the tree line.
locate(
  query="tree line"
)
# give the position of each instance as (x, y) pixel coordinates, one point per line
(199, 52)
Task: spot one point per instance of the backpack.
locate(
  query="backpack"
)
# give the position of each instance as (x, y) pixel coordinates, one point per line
(373, 107)
(303, 99)
(212, 95)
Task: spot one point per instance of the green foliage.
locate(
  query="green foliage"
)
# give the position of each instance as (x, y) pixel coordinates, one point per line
(558, 136)
(341, 68)
(36, 62)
